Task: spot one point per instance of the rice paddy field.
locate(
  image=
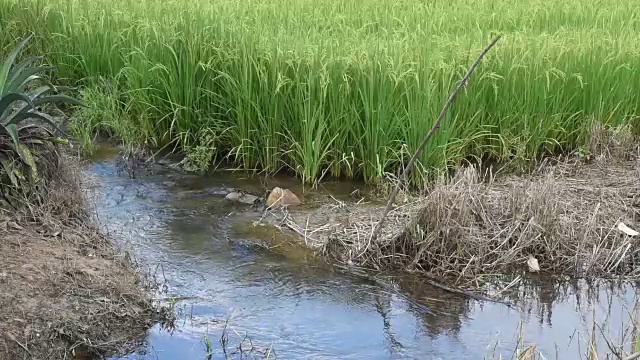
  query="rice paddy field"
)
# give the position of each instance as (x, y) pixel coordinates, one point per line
(340, 88)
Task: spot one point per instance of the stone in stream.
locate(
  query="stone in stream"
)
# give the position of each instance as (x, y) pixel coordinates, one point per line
(169, 183)
(239, 197)
(282, 198)
(272, 238)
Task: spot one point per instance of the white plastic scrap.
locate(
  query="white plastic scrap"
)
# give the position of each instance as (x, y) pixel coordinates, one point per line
(533, 264)
(627, 230)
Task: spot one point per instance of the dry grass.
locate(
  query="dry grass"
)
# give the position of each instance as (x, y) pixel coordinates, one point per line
(474, 223)
(64, 290)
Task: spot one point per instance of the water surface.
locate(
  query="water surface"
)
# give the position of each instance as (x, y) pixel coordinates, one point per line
(294, 306)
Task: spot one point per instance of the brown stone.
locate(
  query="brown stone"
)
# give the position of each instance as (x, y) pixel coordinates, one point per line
(282, 198)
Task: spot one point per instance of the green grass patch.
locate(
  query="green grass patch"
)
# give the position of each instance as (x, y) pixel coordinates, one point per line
(342, 88)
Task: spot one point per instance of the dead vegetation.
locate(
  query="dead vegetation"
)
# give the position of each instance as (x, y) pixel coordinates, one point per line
(567, 215)
(65, 292)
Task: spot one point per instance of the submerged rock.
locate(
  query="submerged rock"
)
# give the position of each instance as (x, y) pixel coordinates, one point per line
(216, 191)
(236, 196)
(282, 198)
(169, 183)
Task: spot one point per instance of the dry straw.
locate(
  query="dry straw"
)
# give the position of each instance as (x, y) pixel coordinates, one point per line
(567, 215)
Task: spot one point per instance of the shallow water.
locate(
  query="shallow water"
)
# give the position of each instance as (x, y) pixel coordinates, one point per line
(294, 306)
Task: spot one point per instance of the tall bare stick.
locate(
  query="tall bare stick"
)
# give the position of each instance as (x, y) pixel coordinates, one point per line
(436, 125)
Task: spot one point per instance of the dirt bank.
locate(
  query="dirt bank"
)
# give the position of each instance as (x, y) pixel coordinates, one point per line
(64, 290)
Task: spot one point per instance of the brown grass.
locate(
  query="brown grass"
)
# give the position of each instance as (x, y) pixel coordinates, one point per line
(475, 223)
(64, 290)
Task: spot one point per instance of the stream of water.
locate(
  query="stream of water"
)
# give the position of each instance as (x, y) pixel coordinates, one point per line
(291, 307)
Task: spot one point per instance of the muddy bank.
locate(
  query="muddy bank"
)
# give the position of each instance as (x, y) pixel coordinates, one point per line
(65, 291)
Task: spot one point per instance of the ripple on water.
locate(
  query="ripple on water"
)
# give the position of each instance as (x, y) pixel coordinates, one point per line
(308, 311)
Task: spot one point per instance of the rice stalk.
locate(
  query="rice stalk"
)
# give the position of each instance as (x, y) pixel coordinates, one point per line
(347, 89)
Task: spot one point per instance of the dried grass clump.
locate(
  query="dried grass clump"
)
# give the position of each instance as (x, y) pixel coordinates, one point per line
(566, 216)
(607, 143)
(567, 221)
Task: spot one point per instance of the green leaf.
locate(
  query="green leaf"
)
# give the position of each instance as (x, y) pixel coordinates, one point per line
(17, 118)
(21, 80)
(28, 159)
(58, 89)
(60, 99)
(7, 100)
(8, 168)
(12, 131)
(40, 90)
(60, 141)
(18, 173)
(6, 66)
(45, 89)
(17, 70)
(33, 141)
(23, 65)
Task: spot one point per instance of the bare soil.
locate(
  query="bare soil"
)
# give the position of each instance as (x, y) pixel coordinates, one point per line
(65, 292)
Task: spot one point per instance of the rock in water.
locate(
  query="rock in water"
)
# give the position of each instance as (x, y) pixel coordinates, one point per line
(282, 198)
(241, 198)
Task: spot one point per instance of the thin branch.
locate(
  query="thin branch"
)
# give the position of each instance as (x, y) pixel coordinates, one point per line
(416, 154)
(633, 356)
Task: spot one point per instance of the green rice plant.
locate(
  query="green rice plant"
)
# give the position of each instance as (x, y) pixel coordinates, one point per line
(208, 346)
(106, 114)
(347, 89)
(25, 141)
(201, 156)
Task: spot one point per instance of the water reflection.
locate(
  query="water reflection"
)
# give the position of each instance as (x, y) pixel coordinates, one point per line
(306, 309)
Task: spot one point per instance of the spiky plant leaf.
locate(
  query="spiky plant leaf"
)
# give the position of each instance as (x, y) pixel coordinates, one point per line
(22, 79)
(24, 141)
(46, 89)
(17, 69)
(35, 141)
(20, 116)
(8, 167)
(27, 156)
(7, 101)
(57, 99)
(8, 63)
(25, 112)
(12, 131)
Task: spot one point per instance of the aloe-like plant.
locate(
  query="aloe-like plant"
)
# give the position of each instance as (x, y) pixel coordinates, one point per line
(23, 127)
